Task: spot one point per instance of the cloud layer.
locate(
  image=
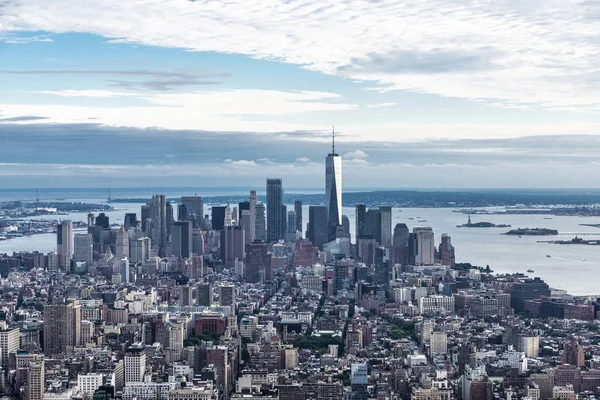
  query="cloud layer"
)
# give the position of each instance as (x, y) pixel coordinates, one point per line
(513, 52)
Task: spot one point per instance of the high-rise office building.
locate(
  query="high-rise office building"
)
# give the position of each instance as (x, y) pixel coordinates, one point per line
(9, 344)
(242, 205)
(258, 263)
(425, 254)
(182, 212)
(317, 226)
(204, 294)
(182, 239)
(333, 190)
(146, 218)
(218, 217)
(233, 246)
(386, 225)
(61, 327)
(103, 221)
(158, 218)
(228, 216)
(36, 384)
(260, 226)
(227, 295)
(400, 242)
(373, 224)
(291, 234)
(275, 217)
(135, 363)
(194, 208)
(130, 221)
(360, 214)
(124, 270)
(528, 289)
(252, 210)
(298, 210)
(245, 224)
(84, 248)
(64, 243)
(122, 244)
(446, 252)
(140, 249)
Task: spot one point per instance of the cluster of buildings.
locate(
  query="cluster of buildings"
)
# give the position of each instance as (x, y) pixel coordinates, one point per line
(243, 302)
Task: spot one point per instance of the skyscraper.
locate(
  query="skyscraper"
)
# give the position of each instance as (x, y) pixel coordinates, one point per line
(36, 386)
(218, 217)
(260, 223)
(242, 205)
(245, 224)
(360, 214)
(158, 217)
(64, 243)
(135, 363)
(228, 216)
(204, 294)
(333, 190)
(9, 344)
(291, 222)
(181, 239)
(258, 263)
(425, 246)
(298, 210)
(317, 225)
(122, 244)
(252, 210)
(61, 327)
(84, 248)
(232, 245)
(275, 217)
(130, 220)
(227, 295)
(386, 225)
(124, 270)
(194, 207)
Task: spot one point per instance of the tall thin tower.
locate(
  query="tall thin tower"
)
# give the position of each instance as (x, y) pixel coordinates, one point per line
(333, 189)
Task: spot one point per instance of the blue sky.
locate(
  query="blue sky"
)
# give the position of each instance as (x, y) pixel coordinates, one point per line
(426, 93)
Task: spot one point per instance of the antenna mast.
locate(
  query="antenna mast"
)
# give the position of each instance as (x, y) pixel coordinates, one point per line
(333, 141)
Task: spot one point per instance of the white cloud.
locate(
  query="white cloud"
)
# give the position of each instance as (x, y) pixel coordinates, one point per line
(378, 105)
(303, 159)
(536, 51)
(243, 163)
(86, 93)
(357, 154)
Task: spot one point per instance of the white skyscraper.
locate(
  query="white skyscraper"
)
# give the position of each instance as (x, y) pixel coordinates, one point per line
(228, 216)
(122, 244)
(333, 190)
(425, 246)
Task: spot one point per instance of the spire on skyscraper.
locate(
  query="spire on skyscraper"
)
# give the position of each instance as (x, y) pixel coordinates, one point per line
(333, 141)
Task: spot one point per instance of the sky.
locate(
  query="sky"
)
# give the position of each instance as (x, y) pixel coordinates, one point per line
(205, 93)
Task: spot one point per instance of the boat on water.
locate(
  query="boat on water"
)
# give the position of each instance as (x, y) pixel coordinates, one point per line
(422, 220)
(530, 271)
(547, 217)
(548, 255)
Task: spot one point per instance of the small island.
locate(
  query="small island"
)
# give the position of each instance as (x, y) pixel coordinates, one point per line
(532, 232)
(470, 224)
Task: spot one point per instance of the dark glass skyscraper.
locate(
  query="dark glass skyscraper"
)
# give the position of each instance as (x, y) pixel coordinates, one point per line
(218, 217)
(275, 216)
(317, 225)
(298, 210)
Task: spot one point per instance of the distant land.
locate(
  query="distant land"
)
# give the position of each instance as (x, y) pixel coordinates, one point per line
(422, 198)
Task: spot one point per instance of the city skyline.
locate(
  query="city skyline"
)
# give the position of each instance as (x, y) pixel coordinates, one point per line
(501, 109)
